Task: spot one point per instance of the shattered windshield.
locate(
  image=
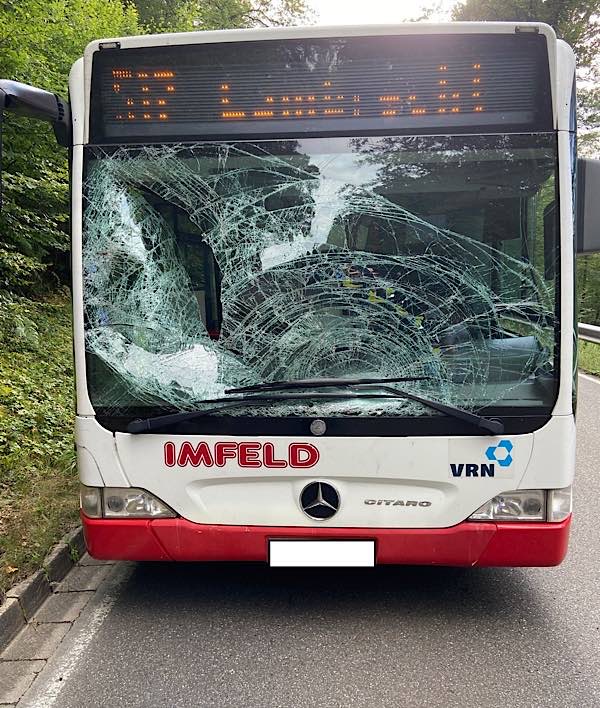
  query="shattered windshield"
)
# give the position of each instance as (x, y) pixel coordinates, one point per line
(209, 266)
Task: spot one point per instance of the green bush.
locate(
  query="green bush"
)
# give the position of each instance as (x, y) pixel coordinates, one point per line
(589, 357)
(38, 499)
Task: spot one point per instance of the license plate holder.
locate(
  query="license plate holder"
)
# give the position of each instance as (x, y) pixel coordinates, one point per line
(311, 553)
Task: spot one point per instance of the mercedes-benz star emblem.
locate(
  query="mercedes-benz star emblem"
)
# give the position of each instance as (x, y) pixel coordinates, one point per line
(319, 500)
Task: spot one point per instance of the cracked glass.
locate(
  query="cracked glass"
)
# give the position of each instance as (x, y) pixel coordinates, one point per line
(213, 265)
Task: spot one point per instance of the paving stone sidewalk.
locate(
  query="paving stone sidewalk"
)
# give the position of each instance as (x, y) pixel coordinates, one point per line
(27, 654)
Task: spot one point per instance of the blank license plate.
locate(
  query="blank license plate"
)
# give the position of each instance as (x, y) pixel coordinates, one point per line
(321, 554)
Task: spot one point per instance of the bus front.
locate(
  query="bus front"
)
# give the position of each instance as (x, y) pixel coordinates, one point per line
(323, 295)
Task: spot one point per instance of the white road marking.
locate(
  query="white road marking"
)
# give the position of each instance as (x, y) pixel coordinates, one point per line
(84, 633)
(587, 377)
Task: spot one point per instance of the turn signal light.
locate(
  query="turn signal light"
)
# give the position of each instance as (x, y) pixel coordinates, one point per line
(560, 504)
(90, 500)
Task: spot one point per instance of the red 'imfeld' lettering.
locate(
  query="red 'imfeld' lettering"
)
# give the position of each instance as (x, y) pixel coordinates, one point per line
(194, 456)
(269, 457)
(225, 451)
(170, 454)
(303, 455)
(248, 454)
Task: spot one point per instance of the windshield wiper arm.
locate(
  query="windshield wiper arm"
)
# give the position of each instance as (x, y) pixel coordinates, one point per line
(320, 383)
(147, 425)
(495, 427)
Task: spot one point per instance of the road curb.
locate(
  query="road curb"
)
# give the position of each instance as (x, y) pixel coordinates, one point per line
(31, 593)
(12, 621)
(24, 599)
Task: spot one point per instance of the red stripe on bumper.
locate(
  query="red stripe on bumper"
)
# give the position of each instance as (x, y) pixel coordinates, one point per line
(467, 543)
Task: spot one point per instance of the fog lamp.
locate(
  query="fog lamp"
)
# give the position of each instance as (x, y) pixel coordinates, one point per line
(129, 502)
(90, 501)
(522, 505)
(559, 504)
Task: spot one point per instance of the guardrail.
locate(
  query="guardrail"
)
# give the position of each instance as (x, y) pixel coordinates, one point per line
(590, 333)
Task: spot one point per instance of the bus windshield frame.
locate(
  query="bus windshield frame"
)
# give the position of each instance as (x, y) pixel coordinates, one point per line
(282, 224)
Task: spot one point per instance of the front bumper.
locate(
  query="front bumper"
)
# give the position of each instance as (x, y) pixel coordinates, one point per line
(466, 544)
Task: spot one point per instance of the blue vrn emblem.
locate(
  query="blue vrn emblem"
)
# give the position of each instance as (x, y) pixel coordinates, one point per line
(500, 454)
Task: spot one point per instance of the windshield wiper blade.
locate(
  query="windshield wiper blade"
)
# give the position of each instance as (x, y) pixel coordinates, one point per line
(147, 425)
(320, 383)
(495, 427)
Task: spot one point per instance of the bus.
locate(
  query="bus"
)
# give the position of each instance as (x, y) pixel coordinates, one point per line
(323, 292)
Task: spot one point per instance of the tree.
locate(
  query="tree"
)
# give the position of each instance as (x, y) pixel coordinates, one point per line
(39, 41)
(188, 15)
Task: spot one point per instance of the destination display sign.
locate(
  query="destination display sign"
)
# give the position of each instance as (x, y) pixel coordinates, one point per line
(415, 83)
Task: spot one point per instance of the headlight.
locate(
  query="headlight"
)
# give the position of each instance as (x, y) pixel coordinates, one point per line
(122, 503)
(133, 503)
(526, 505)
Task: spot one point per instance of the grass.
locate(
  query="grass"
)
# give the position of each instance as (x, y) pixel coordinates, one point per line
(589, 357)
(38, 481)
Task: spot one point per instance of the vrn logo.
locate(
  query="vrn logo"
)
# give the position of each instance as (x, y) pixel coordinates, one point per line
(497, 454)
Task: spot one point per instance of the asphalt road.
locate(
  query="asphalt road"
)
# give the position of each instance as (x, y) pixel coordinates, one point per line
(246, 636)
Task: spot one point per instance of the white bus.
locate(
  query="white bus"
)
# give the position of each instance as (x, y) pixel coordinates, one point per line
(323, 293)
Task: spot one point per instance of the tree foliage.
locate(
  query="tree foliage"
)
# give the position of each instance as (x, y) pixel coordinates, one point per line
(39, 41)
(189, 15)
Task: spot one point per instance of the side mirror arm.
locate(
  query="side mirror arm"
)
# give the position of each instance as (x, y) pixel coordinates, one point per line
(32, 102)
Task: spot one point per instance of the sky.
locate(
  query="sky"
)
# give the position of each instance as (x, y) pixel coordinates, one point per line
(347, 12)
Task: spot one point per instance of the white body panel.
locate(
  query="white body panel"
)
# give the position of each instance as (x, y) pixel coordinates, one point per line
(77, 94)
(568, 332)
(362, 469)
